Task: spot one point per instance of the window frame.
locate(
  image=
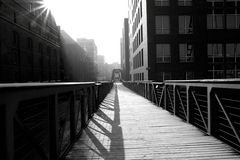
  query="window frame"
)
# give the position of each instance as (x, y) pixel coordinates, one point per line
(186, 28)
(162, 27)
(161, 3)
(184, 2)
(163, 58)
(184, 57)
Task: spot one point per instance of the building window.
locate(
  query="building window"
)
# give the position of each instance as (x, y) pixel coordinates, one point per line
(185, 24)
(233, 54)
(215, 74)
(30, 43)
(162, 25)
(163, 54)
(189, 75)
(167, 75)
(138, 60)
(215, 56)
(233, 49)
(215, 51)
(49, 51)
(215, 3)
(161, 2)
(16, 39)
(141, 12)
(215, 21)
(184, 2)
(233, 21)
(230, 50)
(14, 17)
(40, 48)
(29, 26)
(186, 52)
(162, 76)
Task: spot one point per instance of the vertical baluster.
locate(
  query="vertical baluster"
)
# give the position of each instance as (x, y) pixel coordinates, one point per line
(10, 106)
(165, 97)
(3, 137)
(174, 99)
(53, 129)
(188, 104)
(72, 116)
(209, 131)
(93, 91)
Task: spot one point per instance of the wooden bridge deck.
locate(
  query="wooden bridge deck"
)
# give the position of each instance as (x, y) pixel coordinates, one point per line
(127, 126)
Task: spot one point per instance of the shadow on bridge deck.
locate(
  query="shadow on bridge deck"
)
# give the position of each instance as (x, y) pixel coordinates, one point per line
(127, 126)
(103, 138)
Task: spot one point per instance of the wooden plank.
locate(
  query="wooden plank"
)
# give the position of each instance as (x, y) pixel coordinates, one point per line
(131, 127)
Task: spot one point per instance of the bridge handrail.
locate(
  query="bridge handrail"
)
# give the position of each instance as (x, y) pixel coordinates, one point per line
(43, 120)
(210, 105)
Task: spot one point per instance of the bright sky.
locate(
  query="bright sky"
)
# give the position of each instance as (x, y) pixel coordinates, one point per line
(101, 20)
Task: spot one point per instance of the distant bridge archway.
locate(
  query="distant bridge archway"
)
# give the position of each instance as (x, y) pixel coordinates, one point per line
(116, 75)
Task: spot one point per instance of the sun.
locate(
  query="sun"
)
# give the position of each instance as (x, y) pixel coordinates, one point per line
(44, 7)
(49, 4)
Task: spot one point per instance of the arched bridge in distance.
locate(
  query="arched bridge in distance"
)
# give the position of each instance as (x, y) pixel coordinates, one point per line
(116, 75)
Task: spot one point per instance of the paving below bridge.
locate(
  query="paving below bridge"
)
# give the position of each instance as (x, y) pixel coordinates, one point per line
(127, 126)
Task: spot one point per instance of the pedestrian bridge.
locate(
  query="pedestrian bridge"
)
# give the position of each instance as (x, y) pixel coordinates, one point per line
(128, 126)
(133, 120)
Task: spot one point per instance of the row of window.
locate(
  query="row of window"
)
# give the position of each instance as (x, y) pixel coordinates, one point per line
(213, 3)
(162, 76)
(166, 2)
(214, 21)
(134, 7)
(16, 43)
(216, 74)
(227, 66)
(138, 76)
(220, 3)
(32, 20)
(138, 39)
(163, 53)
(137, 19)
(138, 60)
(162, 24)
(217, 50)
(186, 52)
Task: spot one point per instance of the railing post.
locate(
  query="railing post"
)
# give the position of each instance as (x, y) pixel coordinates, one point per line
(174, 99)
(97, 96)
(188, 104)
(10, 129)
(93, 98)
(145, 90)
(149, 92)
(89, 102)
(72, 117)
(3, 135)
(152, 93)
(84, 108)
(165, 97)
(53, 129)
(209, 90)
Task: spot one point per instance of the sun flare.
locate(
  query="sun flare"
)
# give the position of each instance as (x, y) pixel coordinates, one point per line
(49, 4)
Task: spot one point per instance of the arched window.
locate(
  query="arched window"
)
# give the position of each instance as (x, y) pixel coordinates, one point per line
(16, 39)
(30, 44)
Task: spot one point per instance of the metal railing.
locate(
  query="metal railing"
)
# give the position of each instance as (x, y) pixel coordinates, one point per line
(211, 105)
(43, 120)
